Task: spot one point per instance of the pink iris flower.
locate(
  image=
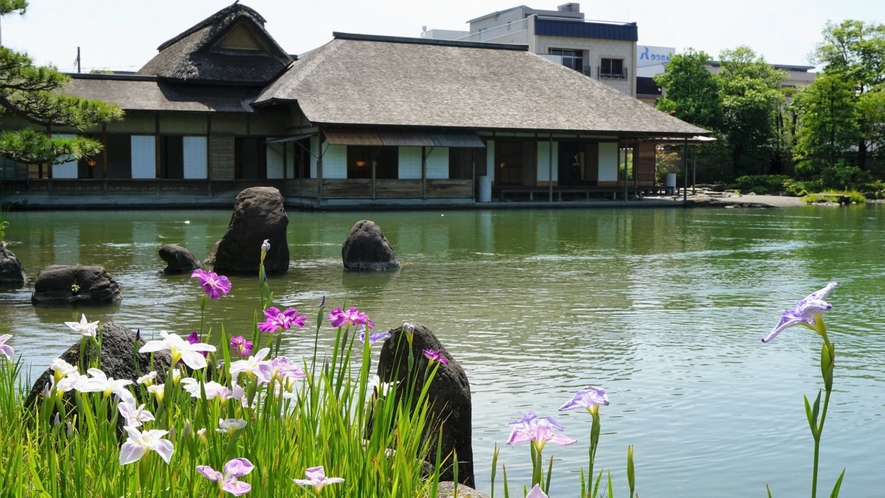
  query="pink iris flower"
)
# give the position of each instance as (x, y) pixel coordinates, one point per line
(433, 355)
(280, 320)
(213, 285)
(353, 316)
(241, 346)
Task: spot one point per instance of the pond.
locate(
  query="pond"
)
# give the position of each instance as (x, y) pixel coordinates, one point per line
(664, 308)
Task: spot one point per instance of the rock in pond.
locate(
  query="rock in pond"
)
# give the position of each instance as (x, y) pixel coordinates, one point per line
(367, 249)
(12, 274)
(75, 284)
(258, 215)
(448, 395)
(178, 260)
(119, 359)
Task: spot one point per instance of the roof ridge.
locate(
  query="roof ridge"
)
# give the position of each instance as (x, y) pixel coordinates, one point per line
(214, 18)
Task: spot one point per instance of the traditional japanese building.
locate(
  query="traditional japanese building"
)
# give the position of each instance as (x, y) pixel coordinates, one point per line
(361, 120)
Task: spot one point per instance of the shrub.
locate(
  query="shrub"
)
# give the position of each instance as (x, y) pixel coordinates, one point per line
(845, 176)
(761, 184)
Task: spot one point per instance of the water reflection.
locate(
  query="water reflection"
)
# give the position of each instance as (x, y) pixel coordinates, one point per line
(662, 307)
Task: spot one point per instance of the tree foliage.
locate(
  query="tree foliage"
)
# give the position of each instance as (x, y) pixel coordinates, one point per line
(34, 93)
(829, 120)
(854, 52)
(751, 97)
(692, 91)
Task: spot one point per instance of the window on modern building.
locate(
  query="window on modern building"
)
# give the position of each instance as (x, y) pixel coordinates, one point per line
(361, 158)
(570, 58)
(612, 68)
(250, 158)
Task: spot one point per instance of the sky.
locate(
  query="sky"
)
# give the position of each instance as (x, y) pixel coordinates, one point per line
(123, 35)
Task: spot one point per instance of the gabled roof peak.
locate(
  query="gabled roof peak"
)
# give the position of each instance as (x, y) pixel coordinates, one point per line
(222, 18)
(230, 46)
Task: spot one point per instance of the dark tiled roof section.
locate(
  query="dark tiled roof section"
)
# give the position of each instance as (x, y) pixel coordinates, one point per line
(139, 93)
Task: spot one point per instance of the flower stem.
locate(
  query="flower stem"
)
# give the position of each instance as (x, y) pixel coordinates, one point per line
(823, 416)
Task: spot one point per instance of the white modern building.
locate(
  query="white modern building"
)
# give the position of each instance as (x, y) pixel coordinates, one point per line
(603, 50)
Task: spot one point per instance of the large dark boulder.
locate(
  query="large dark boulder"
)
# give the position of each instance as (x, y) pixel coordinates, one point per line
(12, 274)
(178, 260)
(119, 359)
(258, 215)
(448, 396)
(366, 248)
(74, 284)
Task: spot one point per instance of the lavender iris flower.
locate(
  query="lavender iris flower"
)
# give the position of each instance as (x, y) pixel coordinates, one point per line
(536, 492)
(316, 477)
(213, 285)
(587, 397)
(4, 348)
(227, 481)
(537, 430)
(805, 312)
(373, 338)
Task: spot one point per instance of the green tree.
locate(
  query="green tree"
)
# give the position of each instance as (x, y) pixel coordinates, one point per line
(34, 93)
(692, 93)
(751, 98)
(855, 52)
(828, 109)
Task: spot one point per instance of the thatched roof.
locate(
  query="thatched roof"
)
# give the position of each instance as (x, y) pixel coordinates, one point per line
(151, 94)
(231, 46)
(382, 81)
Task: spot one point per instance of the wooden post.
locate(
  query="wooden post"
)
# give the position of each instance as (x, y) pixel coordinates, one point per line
(423, 173)
(550, 166)
(685, 170)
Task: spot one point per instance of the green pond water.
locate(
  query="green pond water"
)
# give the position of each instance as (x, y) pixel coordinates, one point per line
(664, 308)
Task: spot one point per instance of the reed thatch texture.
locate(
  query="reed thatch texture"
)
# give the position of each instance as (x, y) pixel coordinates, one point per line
(196, 55)
(382, 81)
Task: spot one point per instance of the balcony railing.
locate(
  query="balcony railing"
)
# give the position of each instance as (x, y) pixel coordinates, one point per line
(497, 32)
(608, 74)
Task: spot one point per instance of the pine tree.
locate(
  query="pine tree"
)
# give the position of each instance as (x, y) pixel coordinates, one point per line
(34, 93)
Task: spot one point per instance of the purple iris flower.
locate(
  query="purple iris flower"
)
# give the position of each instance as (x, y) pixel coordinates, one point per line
(353, 316)
(373, 338)
(213, 285)
(241, 345)
(279, 320)
(194, 338)
(434, 355)
(805, 312)
(586, 398)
